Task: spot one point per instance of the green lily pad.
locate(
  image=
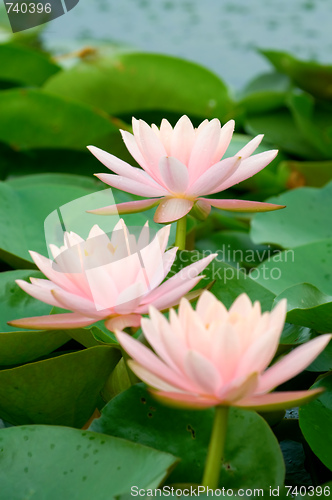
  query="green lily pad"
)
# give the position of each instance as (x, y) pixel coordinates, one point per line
(30, 118)
(22, 347)
(315, 422)
(280, 129)
(134, 414)
(57, 462)
(305, 219)
(25, 66)
(61, 390)
(290, 267)
(313, 77)
(265, 93)
(308, 306)
(133, 82)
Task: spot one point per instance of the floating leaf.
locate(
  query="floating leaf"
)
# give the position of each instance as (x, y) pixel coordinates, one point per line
(290, 267)
(62, 390)
(25, 66)
(133, 82)
(135, 415)
(305, 219)
(57, 462)
(308, 306)
(33, 119)
(279, 128)
(315, 422)
(313, 77)
(265, 93)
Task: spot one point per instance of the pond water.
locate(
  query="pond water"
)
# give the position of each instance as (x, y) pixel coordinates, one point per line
(222, 35)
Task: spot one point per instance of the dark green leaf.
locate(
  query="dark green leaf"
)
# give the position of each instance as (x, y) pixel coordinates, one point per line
(25, 66)
(133, 82)
(313, 77)
(54, 462)
(315, 422)
(305, 219)
(62, 390)
(33, 119)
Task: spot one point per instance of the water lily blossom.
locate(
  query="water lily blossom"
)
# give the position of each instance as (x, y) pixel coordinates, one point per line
(180, 167)
(113, 279)
(214, 357)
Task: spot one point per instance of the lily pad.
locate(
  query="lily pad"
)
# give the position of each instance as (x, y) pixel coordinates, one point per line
(315, 422)
(313, 77)
(290, 267)
(62, 390)
(58, 462)
(308, 306)
(130, 82)
(305, 219)
(134, 414)
(25, 66)
(30, 118)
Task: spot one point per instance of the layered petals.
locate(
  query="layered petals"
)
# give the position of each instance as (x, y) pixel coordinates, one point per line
(180, 165)
(114, 279)
(212, 356)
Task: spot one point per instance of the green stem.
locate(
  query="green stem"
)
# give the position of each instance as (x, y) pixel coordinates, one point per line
(215, 454)
(180, 237)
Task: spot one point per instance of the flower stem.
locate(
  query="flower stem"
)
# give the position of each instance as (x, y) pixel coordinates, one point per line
(215, 454)
(180, 237)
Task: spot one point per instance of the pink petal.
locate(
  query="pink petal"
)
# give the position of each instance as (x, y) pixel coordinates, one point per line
(242, 205)
(131, 186)
(169, 292)
(129, 207)
(166, 134)
(53, 321)
(174, 174)
(249, 167)
(133, 148)
(211, 179)
(226, 134)
(150, 378)
(165, 297)
(130, 298)
(184, 400)
(122, 168)
(172, 209)
(78, 304)
(151, 147)
(204, 149)
(182, 139)
(277, 400)
(123, 321)
(202, 372)
(145, 357)
(249, 148)
(201, 209)
(40, 292)
(52, 271)
(293, 363)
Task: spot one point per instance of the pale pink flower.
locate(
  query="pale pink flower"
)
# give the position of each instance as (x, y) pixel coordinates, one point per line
(180, 167)
(108, 279)
(212, 356)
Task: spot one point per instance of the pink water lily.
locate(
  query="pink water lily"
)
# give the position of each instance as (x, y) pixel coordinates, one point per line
(213, 357)
(180, 167)
(113, 279)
